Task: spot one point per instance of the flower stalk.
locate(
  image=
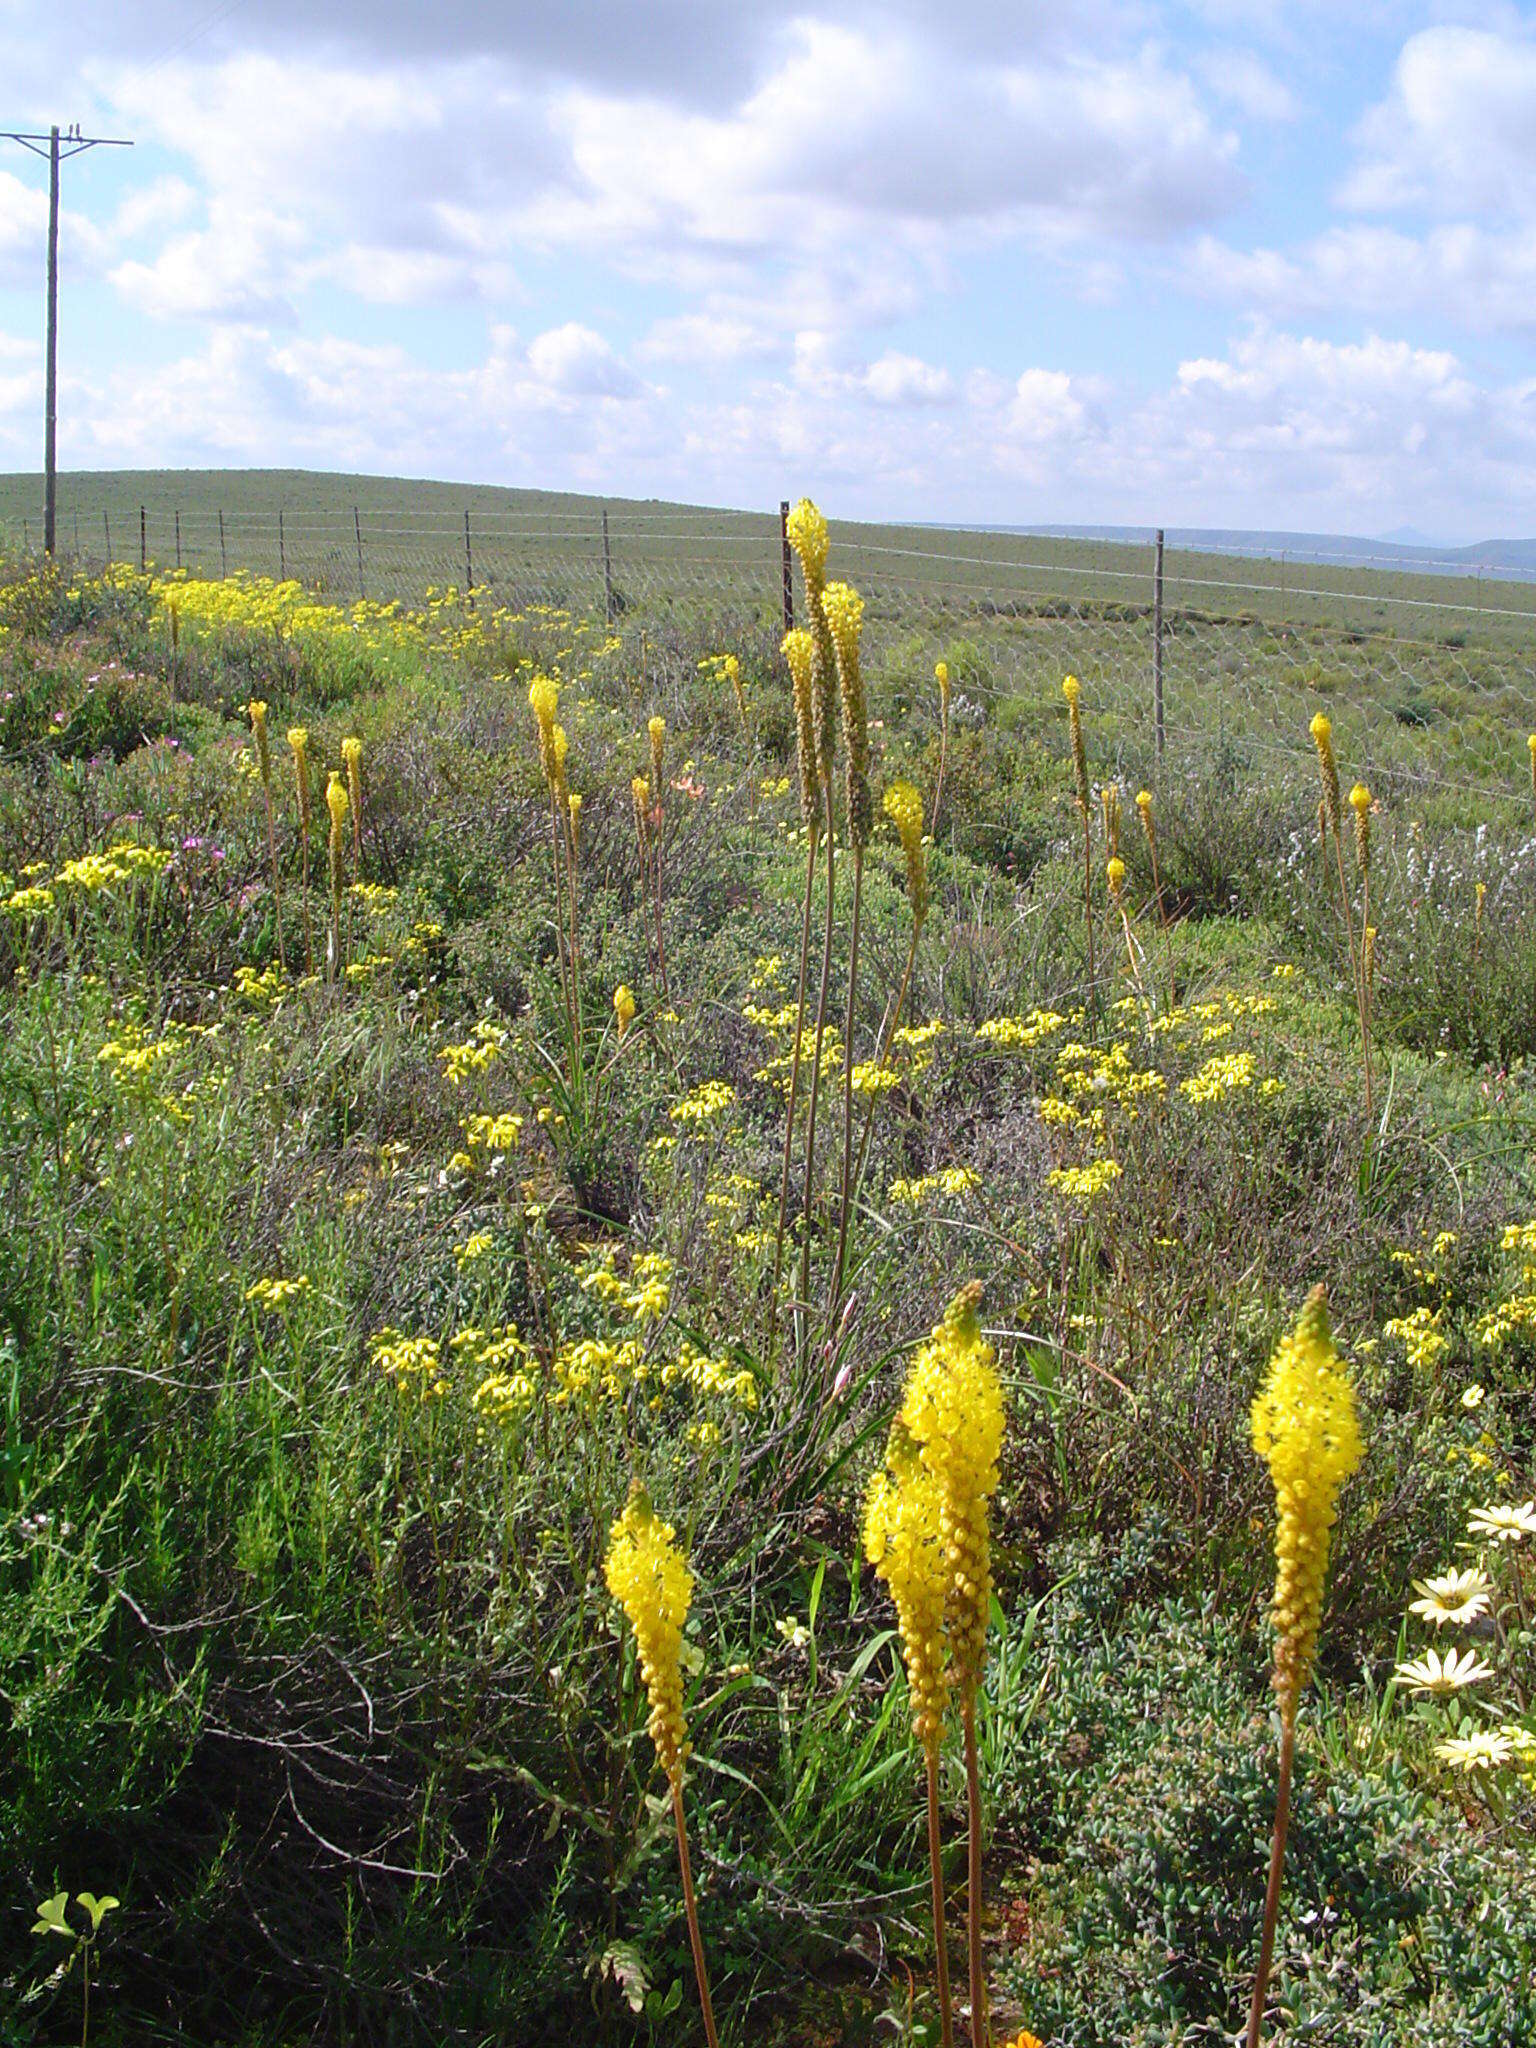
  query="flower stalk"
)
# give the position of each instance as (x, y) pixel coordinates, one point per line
(258, 715)
(799, 653)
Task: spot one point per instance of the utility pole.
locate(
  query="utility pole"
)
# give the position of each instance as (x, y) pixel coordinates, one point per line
(57, 149)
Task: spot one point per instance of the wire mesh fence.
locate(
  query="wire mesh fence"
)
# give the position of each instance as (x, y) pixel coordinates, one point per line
(1187, 654)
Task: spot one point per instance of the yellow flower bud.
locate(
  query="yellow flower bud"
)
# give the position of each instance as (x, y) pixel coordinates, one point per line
(904, 807)
(657, 729)
(258, 715)
(807, 534)
(843, 609)
(1115, 870)
(1360, 804)
(623, 1008)
(1322, 739)
(800, 652)
(904, 1542)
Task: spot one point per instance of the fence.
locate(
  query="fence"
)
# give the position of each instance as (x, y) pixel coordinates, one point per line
(1427, 665)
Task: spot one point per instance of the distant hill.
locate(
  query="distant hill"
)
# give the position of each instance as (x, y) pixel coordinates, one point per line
(1504, 558)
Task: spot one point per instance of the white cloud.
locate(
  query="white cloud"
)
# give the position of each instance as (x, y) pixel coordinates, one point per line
(1244, 81)
(907, 380)
(573, 362)
(1457, 131)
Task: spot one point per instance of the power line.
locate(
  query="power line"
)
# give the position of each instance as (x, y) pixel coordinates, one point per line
(57, 149)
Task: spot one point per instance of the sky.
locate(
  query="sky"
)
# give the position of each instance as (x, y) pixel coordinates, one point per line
(1265, 263)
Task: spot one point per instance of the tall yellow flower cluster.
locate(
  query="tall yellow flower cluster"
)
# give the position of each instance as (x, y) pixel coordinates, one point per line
(1321, 730)
(904, 1543)
(656, 729)
(953, 1412)
(544, 698)
(648, 1576)
(1360, 804)
(904, 808)
(807, 533)
(1305, 1430)
(800, 653)
(258, 715)
(336, 804)
(843, 609)
(298, 739)
(941, 677)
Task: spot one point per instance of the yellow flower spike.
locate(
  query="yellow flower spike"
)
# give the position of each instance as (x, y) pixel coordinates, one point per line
(843, 609)
(1305, 1430)
(298, 739)
(544, 699)
(257, 709)
(336, 804)
(733, 677)
(647, 1574)
(352, 760)
(657, 729)
(1531, 744)
(806, 531)
(904, 807)
(799, 651)
(559, 746)
(941, 677)
(573, 804)
(1110, 798)
(953, 1412)
(1360, 804)
(903, 1541)
(1072, 690)
(640, 795)
(1115, 872)
(1321, 730)
(623, 1008)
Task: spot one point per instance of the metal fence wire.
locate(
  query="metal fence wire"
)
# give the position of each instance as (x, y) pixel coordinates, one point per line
(1427, 664)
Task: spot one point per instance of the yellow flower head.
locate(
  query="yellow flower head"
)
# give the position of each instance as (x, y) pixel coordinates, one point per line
(732, 669)
(800, 653)
(1115, 870)
(1109, 796)
(1148, 824)
(573, 804)
(953, 1412)
(657, 729)
(904, 808)
(544, 698)
(640, 794)
(1322, 738)
(559, 747)
(1305, 1430)
(1360, 804)
(623, 1008)
(807, 533)
(352, 759)
(904, 1542)
(351, 752)
(941, 676)
(336, 801)
(843, 609)
(298, 739)
(1071, 689)
(649, 1577)
(258, 715)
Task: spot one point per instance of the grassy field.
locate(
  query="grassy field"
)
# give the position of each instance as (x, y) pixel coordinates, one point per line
(1435, 675)
(395, 1174)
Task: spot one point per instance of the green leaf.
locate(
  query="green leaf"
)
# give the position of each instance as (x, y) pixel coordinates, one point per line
(97, 1908)
(50, 1916)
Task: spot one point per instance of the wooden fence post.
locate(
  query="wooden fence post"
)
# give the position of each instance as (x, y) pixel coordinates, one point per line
(469, 563)
(787, 592)
(357, 528)
(607, 571)
(143, 546)
(223, 551)
(282, 549)
(106, 527)
(178, 536)
(1157, 645)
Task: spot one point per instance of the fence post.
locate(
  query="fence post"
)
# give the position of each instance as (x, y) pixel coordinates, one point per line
(469, 563)
(788, 592)
(1157, 645)
(143, 548)
(106, 527)
(607, 572)
(357, 528)
(223, 551)
(178, 536)
(282, 549)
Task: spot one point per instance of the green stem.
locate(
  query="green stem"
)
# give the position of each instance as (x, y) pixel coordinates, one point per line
(821, 1019)
(794, 1083)
(979, 2031)
(853, 985)
(690, 1906)
(1276, 1867)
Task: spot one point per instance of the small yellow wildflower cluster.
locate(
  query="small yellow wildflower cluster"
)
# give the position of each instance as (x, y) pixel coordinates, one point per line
(1084, 1183)
(1304, 1428)
(276, 1292)
(122, 862)
(475, 1052)
(415, 1364)
(263, 991)
(950, 1180)
(1220, 1077)
(1421, 1336)
(1018, 1034)
(648, 1576)
(1515, 1315)
(870, 1079)
(710, 1101)
(491, 1134)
